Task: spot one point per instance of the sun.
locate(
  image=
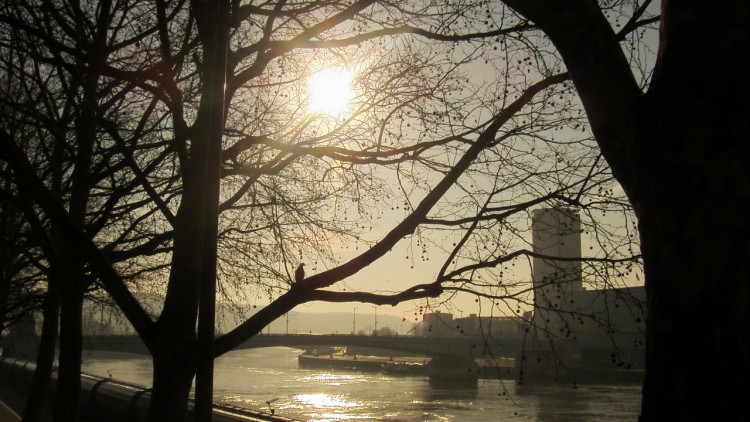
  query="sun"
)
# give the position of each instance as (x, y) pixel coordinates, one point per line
(330, 91)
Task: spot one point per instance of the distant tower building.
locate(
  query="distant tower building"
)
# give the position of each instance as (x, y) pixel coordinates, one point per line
(556, 233)
(584, 325)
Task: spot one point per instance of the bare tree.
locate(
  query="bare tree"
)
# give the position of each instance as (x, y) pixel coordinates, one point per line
(53, 109)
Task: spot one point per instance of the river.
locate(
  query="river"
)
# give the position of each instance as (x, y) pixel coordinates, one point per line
(252, 377)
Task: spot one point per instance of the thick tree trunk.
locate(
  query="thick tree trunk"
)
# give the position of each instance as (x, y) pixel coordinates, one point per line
(69, 371)
(693, 203)
(173, 376)
(680, 154)
(215, 39)
(695, 249)
(173, 346)
(193, 273)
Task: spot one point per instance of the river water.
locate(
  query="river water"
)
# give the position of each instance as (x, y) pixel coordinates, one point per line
(252, 377)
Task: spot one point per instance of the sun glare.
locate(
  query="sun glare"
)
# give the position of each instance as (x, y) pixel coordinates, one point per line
(331, 91)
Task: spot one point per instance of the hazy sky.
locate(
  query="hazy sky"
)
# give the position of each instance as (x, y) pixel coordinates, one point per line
(395, 272)
(403, 267)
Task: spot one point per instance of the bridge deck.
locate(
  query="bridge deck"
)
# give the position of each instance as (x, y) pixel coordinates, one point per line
(426, 346)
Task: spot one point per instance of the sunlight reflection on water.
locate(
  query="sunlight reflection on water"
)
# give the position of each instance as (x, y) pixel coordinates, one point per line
(334, 379)
(325, 400)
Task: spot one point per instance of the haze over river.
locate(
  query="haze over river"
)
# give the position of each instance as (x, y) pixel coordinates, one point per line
(251, 377)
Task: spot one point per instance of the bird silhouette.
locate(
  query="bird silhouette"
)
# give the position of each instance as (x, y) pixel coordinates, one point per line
(299, 274)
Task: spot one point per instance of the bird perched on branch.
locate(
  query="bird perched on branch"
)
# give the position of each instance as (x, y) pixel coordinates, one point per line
(299, 274)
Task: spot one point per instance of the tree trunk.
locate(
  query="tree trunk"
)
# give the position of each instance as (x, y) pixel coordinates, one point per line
(693, 203)
(173, 376)
(680, 154)
(174, 344)
(46, 358)
(695, 249)
(74, 285)
(193, 272)
(68, 388)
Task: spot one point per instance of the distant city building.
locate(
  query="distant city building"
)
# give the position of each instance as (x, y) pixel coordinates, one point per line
(596, 326)
(596, 321)
(436, 324)
(509, 328)
(556, 238)
(445, 325)
(610, 317)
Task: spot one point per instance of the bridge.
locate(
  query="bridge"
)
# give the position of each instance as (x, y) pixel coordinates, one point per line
(464, 347)
(451, 357)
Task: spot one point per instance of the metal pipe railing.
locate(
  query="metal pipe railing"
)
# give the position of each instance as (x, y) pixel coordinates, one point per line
(110, 400)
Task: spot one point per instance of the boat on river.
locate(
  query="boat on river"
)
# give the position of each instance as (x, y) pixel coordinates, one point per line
(404, 368)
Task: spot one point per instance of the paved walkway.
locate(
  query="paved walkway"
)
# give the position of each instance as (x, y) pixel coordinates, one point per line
(7, 414)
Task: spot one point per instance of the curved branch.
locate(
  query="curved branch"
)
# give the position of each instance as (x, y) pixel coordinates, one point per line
(305, 291)
(410, 223)
(415, 292)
